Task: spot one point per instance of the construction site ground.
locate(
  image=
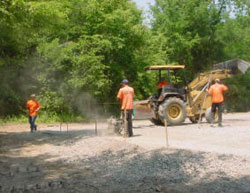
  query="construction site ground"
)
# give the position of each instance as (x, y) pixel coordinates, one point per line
(200, 158)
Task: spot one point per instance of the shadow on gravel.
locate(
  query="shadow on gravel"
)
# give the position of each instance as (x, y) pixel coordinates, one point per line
(37, 173)
(164, 171)
(160, 171)
(223, 184)
(129, 169)
(17, 140)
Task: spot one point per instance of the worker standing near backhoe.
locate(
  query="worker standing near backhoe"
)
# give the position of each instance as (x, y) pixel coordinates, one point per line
(125, 95)
(161, 84)
(34, 106)
(216, 92)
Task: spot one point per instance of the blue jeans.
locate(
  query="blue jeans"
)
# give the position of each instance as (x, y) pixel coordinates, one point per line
(32, 120)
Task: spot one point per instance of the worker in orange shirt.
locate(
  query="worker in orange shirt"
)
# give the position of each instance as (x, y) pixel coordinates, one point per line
(125, 95)
(216, 92)
(34, 107)
(161, 84)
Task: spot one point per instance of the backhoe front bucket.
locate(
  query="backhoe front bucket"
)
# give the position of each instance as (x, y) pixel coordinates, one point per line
(142, 110)
(235, 65)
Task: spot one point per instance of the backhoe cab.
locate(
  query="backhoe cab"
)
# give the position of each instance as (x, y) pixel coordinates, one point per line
(169, 102)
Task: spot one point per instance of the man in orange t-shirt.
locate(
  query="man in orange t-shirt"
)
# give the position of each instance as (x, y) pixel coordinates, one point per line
(126, 94)
(34, 107)
(216, 92)
(161, 84)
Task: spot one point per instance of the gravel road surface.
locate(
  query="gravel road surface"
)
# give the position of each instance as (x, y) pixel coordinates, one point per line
(199, 158)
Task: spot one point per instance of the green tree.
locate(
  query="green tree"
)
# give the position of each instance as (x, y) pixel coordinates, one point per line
(103, 42)
(23, 25)
(239, 91)
(234, 32)
(80, 50)
(189, 28)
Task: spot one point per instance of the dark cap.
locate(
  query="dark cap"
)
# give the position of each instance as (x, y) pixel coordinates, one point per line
(125, 81)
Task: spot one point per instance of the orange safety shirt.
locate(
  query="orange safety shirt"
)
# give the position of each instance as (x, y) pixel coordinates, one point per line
(216, 91)
(126, 95)
(163, 83)
(33, 106)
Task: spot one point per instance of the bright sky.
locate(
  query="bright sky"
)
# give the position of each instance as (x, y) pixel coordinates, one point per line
(144, 4)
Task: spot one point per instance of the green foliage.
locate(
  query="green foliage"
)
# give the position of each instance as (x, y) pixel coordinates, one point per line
(201, 33)
(237, 98)
(103, 45)
(44, 117)
(23, 24)
(14, 119)
(235, 35)
(52, 117)
(74, 54)
(189, 28)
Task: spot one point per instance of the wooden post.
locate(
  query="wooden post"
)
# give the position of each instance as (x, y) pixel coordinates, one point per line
(95, 126)
(166, 129)
(66, 125)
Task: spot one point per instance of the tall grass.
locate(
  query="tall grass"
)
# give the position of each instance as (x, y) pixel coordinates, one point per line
(44, 117)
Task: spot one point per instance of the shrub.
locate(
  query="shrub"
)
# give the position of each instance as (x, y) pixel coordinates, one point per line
(238, 96)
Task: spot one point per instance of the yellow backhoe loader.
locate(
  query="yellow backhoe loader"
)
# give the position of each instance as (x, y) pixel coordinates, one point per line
(175, 104)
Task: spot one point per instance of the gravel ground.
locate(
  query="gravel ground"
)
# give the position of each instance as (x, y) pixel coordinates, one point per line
(199, 158)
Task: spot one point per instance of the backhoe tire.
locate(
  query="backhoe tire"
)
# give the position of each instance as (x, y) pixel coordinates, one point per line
(173, 110)
(209, 116)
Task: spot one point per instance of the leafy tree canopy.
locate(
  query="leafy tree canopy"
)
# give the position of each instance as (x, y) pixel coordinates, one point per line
(80, 50)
